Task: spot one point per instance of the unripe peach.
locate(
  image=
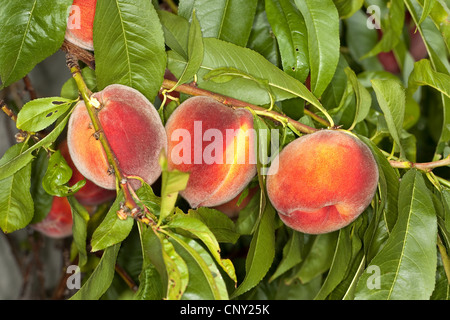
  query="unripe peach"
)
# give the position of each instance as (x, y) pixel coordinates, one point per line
(58, 222)
(133, 129)
(323, 181)
(80, 25)
(215, 144)
(90, 194)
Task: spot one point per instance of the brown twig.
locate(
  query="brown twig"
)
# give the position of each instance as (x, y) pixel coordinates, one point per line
(29, 87)
(424, 166)
(8, 111)
(195, 91)
(83, 55)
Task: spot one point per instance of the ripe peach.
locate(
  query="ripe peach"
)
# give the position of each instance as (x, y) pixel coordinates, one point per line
(80, 25)
(91, 194)
(133, 129)
(232, 209)
(221, 168)
(322, 181)
(58, 223)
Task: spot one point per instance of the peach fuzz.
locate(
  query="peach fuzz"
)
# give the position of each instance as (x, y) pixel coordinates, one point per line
(219, 168)
(323, 181)
(90, 194)
(133, 129)
(80, 25)
(58, 222)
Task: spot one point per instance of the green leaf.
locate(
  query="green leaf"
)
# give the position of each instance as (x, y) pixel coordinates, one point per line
(219, 224)
(152, 252)
(9, 167)
(442, 289)
(150, 286)
(385, 217)
(391, 98)
(407, 263)
(228, 20)
(322, 24)
(360, 40)
(101, 278)
(80, 218)
(205, 280)
(337, 89)
(347, 8)
(176, 32)
(289, 28)
(427, 7)
(172, 182)
(195, 52)
(164, 273)
(261, 39)
(392, 29)
(129, 46)
(38, 114)
(32, 30)
(341, 260)
(16, 202)
(291, 254)
(58, 175)
(319, 258)
(177, 271)
(218, 54)
(344, 290)
(261, 253)
(347, 252)
(363, 98)
(424, 75)
(200, 230)
(41, 199)
(112, 230)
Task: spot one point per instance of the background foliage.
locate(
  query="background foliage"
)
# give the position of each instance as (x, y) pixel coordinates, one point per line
(258, 51)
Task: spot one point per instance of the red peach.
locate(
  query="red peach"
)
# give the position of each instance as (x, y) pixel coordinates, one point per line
(58, 223)
(133, 129)
(221, 169)
(80, 25)
(323, 181)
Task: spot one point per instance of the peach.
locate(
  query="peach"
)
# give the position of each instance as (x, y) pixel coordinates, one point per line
(80, 24)
(133, 129)
(232, 209)
(323, 181)
(58, 222)
(90, 194)
(215, 144)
